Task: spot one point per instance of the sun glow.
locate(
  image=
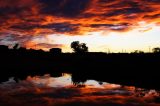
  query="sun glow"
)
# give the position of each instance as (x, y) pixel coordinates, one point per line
(140, 38)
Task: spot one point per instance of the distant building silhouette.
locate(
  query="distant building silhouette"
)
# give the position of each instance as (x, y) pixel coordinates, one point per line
(55, 50)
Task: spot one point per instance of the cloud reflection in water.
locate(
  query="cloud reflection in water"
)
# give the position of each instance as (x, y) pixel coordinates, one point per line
(49, 91)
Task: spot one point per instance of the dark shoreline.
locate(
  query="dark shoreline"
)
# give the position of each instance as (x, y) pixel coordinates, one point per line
(136, 69)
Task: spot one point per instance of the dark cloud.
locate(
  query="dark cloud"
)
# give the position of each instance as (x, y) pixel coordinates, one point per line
(60, 93)
(62, 27)
(118, 27)
(23, 26)
(125, 11)
(9, 10)
(122, 3)
(152, 1)
(152, 16)
(56, 27)
(12, 38)
(106, 1)
(64, 8)
(18, 7)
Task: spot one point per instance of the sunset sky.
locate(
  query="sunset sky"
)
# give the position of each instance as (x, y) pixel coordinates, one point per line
(104, 25)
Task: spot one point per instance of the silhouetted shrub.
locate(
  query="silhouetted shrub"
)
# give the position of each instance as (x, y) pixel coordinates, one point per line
(79, 47)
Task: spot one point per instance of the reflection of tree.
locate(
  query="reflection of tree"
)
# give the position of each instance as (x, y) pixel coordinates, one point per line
(156, 50)
(79, 47)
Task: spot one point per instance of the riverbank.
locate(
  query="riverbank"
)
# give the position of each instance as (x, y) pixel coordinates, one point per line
(140, 69)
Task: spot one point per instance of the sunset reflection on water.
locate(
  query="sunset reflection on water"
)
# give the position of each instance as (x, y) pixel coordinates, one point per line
(59, 91)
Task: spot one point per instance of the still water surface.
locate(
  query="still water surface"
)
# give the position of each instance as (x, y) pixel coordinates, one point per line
(61, 91)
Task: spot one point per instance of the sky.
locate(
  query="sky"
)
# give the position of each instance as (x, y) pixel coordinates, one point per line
(104, 25)
(60, 91)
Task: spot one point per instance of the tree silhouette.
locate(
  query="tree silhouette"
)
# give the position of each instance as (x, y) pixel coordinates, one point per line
(138, 51)
(79, 47)
(156, 50)
(16, 46)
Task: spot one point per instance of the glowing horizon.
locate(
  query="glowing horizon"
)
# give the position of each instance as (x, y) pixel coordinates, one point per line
(144, 38)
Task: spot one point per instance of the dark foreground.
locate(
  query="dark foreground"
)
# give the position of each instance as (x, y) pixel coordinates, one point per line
(140, 70)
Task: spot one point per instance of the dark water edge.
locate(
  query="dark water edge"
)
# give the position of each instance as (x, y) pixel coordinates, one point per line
(141, 70)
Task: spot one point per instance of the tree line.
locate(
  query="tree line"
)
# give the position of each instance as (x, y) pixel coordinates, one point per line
(77, 47)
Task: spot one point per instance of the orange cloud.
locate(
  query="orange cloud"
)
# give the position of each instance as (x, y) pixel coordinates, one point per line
(72, 17)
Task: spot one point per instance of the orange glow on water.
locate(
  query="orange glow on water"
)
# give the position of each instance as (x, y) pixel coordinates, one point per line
(46, 90)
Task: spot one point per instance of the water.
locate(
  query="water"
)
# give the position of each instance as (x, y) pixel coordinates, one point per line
(61, 91)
